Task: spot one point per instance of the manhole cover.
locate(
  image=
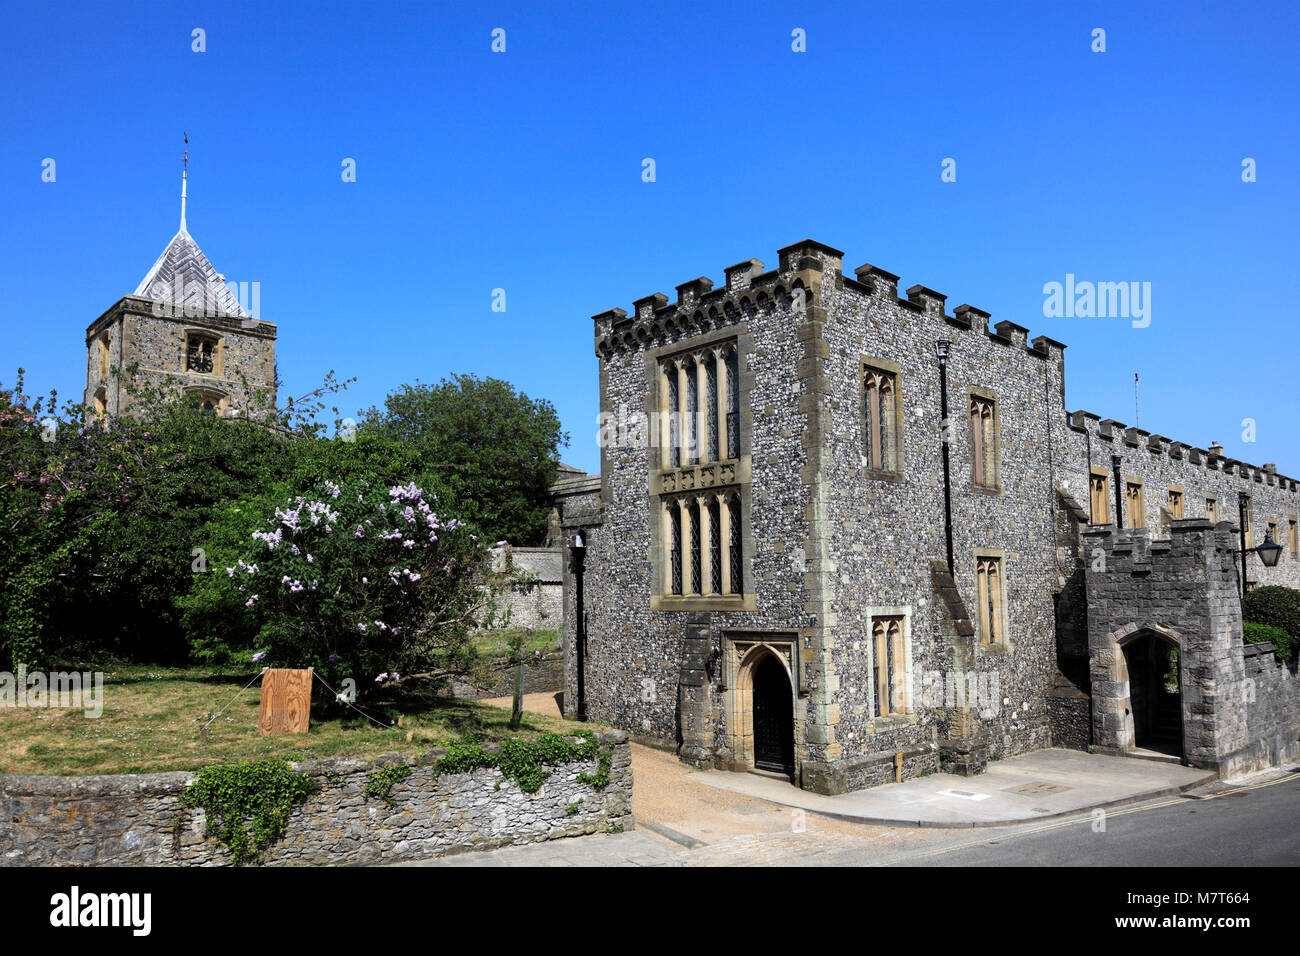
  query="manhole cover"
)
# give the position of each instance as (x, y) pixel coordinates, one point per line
(1038, 788)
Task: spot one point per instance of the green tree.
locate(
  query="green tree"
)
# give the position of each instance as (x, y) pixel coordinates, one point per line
(100, 522)
(494, 448)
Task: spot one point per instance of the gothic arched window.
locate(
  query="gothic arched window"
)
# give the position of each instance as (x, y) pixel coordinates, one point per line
(880, 419)
(984, 452)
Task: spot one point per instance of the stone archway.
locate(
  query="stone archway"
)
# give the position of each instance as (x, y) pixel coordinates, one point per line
(761, 704)
(1154, 673)
(1132, 706)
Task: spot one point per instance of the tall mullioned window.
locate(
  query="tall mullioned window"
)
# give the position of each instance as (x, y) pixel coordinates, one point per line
(702, 543)
(984, 443)
(732, 404)
(880, 419)
(1137, 509)
(1099, 493)
(698, 397)
(889, 662)
(990, 600)
(698, 480)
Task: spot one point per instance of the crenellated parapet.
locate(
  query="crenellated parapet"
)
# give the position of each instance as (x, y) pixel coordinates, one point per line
(1133, 439)
(749, 291)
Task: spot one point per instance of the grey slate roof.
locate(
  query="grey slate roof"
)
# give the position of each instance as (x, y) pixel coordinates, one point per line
(184, 276)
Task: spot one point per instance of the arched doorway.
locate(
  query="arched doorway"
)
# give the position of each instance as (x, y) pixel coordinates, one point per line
(1155, 698)
(773, 716)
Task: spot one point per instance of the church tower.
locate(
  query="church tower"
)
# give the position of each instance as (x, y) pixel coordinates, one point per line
(183, 328)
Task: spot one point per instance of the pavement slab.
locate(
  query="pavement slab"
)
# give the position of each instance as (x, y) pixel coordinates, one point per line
(1021, 789)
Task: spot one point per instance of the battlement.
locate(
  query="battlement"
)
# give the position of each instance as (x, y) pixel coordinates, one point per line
(1134, 440)
(1135, 551)
(748, 290)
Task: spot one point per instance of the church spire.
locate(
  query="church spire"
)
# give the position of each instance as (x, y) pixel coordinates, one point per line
(185, 175)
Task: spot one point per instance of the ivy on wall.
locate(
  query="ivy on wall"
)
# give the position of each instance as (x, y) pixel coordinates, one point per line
(265, 790)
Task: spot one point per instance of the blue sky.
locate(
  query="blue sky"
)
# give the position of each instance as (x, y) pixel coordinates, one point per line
(522, 171)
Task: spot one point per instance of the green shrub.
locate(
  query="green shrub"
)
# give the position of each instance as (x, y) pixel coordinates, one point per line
(1266, 634)
(1277, 607)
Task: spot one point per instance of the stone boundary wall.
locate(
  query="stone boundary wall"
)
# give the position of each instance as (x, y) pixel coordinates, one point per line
(130, 820)
(536, 604)
(546, 677)
(1273, 717)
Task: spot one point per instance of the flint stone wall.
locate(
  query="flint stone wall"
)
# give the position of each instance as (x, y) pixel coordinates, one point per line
(546, 677)
(1069, 711)
(130, 820)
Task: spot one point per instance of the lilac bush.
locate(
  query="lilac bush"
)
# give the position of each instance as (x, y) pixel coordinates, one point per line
(364, 581)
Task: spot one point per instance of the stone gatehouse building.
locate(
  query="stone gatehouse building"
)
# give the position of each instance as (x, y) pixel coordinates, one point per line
(182, 328)
(781, 572)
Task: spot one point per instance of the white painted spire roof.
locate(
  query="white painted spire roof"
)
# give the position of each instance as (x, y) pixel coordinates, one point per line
(183, 275)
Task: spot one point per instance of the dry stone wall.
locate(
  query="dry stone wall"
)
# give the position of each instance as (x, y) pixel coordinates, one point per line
(133, 819)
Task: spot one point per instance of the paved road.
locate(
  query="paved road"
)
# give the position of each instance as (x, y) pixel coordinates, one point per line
(686, 818)
(1252, 826)
(1248, 827)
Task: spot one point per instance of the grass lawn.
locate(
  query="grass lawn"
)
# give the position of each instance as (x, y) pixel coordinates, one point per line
(152, 717)
(495, 642)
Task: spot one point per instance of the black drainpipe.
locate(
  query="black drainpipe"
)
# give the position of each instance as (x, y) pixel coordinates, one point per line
(580, 644)
(944, 431)
(1115, 462)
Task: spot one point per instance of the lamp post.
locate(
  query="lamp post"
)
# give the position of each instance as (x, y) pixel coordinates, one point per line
(579, 551)
(941, 347)
(1242, 499)
(1268, 552)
